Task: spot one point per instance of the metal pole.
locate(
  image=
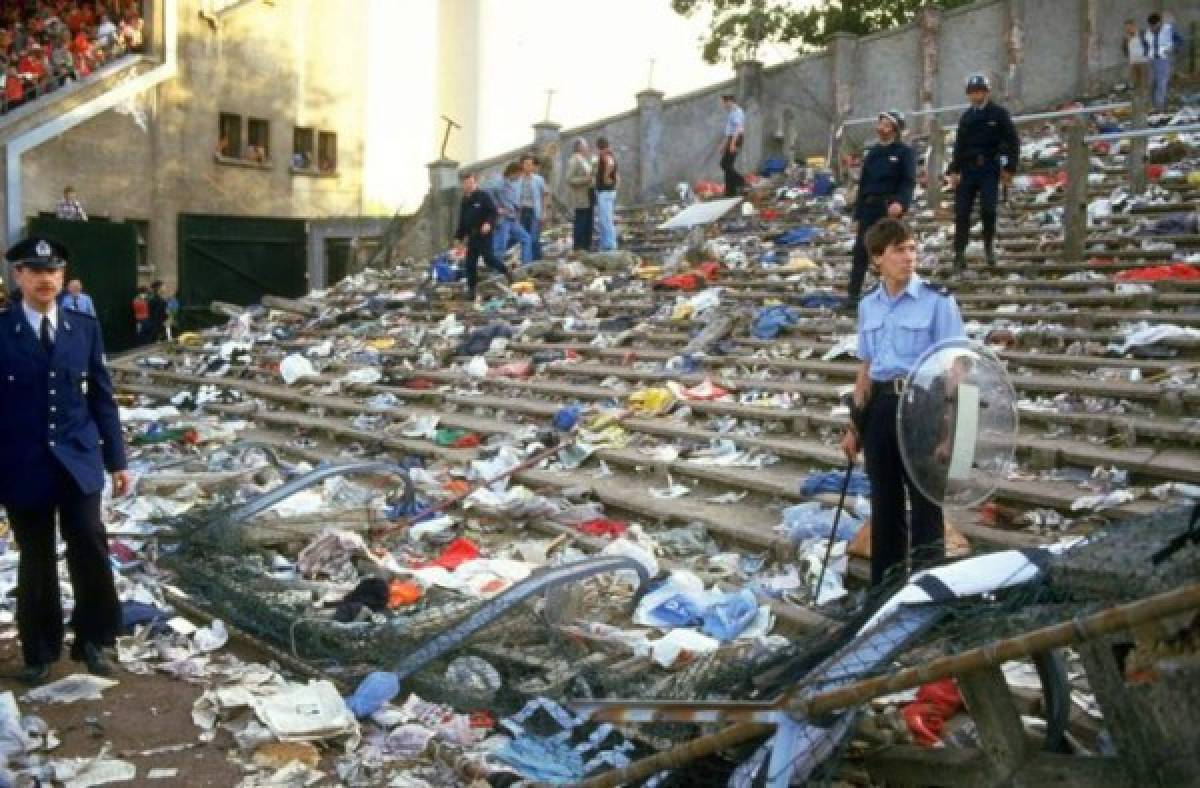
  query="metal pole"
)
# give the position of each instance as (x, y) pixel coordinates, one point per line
(1045, 639)
(1132, 134)
(1075, 199)
(837, 516)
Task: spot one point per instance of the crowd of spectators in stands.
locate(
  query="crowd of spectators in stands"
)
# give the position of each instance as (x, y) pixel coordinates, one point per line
(44, 44)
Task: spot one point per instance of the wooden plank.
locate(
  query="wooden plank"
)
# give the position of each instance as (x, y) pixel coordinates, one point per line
(1001, 735)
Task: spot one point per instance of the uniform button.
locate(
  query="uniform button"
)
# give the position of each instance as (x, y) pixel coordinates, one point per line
(52, 374)
(54, 409)
(52, 392)
(52, 444)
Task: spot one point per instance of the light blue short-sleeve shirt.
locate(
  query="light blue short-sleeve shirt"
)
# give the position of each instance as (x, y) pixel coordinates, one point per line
(735, 121)
(894, 332)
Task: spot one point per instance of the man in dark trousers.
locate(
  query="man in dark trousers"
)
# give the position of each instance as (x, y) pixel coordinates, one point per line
(731, 143)
(59, 432)
(986, 150)
(897, 322)
(889, 175)
(476, 220)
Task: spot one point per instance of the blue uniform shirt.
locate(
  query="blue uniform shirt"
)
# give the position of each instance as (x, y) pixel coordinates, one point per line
(894, 332)
(888, 171)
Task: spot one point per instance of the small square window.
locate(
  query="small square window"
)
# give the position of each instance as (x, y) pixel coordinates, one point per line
(229, 135)
(303, 149)
(258, 136)
(327, 151)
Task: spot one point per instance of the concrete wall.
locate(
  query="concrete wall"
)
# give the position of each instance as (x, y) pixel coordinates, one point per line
(972, 40)
(1036, 52)
(272, 61)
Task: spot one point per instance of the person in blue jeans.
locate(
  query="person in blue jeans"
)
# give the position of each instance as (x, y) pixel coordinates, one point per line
(607, 181)
(504, 192)
(532, 200)
(1159, 41)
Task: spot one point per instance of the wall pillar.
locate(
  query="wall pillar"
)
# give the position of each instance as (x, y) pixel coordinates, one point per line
(749, 92)
(547, 142)
(842, 55)
(444, 193)
(650, 127)
(929, 22)
(1089, 46)
(1014, 45)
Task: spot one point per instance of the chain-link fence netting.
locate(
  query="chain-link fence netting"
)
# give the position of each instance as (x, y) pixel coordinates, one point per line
(551, 643)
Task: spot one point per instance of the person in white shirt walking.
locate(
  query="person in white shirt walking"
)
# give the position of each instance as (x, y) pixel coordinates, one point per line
(731, 143)
(1159, 42)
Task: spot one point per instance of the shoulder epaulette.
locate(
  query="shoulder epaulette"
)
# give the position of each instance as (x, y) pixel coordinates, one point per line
(937, 287)
(75, 311)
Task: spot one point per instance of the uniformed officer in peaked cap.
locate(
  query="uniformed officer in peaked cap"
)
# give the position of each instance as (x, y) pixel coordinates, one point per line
(59, 432)
(889, 175)
(897, 322)
(986, 150)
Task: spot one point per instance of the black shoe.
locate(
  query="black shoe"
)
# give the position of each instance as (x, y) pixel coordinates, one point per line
(97, 662)
(960, 262)
(32, 675)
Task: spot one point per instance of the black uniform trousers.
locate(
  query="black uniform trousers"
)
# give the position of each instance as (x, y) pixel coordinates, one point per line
(892, 530)
(982, 181)
(874, 207)
(480, 245)
(97, 615)
(734, 182)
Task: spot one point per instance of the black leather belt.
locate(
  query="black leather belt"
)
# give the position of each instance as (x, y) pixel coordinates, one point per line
(888, 388)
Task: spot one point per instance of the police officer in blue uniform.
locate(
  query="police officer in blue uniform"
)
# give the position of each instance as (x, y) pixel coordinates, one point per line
(897, 322)
(889, 175)
(59, 432)
(986, 151)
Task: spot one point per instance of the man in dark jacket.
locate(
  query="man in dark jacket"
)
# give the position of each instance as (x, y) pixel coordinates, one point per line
(59, 432)
(476, 221)
(986, 150)
(889, 175)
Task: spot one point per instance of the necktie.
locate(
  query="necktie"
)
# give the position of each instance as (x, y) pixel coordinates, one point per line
(44, 335)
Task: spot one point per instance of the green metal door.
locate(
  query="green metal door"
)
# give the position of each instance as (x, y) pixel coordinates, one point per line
(103, 255)
(238, 260)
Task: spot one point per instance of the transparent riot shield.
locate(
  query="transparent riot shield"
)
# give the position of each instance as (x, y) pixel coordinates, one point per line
(957, 424)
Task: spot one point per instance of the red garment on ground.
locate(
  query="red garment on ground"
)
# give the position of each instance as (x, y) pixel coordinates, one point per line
(1158, 273)
(468, 441)
(708, 189)
(517, 369)
(603, 527)
(420, 384)
(1155, 171)
(710, 271)
(926, 716)
(455, 555)
(680, 282)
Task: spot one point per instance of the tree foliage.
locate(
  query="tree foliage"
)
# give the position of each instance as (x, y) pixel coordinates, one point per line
(739, 28)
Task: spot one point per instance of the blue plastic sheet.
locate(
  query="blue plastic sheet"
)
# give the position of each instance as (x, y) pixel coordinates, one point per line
(373, 692)
(770, 321)
(773, 166)
(831, 481)
(797, 236)
(821, 301)
(567, 417)
(811, 520)
(720, 616)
